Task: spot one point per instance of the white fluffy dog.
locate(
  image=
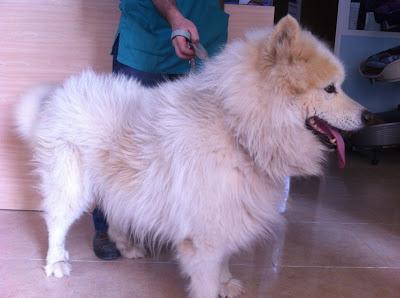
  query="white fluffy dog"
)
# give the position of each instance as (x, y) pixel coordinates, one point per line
(199, 162)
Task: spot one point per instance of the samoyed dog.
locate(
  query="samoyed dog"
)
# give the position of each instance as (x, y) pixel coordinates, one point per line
(199, 163)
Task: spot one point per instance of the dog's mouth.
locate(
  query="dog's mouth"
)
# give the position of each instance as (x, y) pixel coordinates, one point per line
(329, 135)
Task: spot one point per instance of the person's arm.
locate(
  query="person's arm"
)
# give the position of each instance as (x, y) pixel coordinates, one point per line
(171, 13)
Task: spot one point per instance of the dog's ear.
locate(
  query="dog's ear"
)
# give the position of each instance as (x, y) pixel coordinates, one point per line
(282, 40)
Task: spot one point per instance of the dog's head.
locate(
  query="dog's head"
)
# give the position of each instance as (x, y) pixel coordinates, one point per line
(311, 76)
(283, 100)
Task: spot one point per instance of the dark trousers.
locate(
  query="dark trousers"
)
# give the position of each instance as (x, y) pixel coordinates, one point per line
(147, 79)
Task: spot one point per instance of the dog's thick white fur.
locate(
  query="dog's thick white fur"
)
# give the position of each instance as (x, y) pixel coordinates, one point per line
(200, 162)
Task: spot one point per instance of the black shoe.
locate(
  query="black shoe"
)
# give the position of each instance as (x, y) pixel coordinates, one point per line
(104, 248)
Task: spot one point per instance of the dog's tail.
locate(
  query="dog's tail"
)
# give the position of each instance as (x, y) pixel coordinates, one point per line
(28, 109)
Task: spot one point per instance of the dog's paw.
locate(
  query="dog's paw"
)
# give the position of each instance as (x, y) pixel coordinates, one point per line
(231, 289)
(133, 252)
(58, 269)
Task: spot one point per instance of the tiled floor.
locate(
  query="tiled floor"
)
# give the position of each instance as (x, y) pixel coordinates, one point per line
(342, 240)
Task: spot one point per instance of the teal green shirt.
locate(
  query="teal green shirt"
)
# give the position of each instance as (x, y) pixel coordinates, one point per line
(144, 34)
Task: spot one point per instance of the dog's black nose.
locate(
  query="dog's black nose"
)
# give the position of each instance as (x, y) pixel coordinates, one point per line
(368, 118)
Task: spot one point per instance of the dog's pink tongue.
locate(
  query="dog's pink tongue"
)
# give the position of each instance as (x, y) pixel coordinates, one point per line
(341, 151)
(333, 133)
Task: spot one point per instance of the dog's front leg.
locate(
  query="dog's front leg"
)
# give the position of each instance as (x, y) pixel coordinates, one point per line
(203, 266)
(229, 286)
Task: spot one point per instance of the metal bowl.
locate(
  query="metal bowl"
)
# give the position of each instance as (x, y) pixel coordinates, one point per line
(380, 135)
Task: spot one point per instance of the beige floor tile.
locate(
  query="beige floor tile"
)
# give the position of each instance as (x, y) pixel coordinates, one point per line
(328, 245)
(335, 283)
(24, 236)
(342, 240)
(126, 278)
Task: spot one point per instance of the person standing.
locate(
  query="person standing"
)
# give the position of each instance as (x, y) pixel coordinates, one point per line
(143, 49)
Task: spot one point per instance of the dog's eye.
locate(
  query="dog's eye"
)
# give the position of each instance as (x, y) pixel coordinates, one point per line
(330, 89)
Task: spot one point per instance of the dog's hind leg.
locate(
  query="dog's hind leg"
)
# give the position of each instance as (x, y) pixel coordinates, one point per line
(64, 202)
(125, 245)
(202, 264)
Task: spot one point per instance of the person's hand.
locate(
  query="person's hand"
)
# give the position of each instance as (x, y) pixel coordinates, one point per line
(177, 21)
(180, 43)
